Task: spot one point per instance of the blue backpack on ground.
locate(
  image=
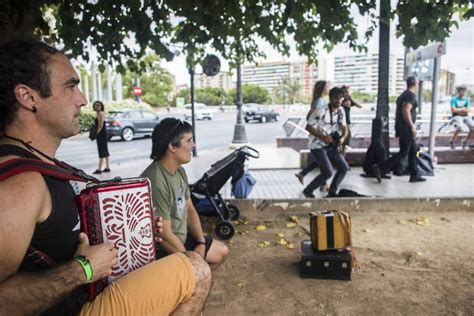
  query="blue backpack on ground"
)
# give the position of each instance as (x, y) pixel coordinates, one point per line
(242, 188)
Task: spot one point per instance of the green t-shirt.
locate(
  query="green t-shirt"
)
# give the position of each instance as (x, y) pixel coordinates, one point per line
(170, 192)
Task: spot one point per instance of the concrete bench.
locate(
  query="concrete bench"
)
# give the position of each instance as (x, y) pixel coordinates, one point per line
(355, 157)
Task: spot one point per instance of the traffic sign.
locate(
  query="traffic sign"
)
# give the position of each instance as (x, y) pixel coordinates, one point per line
(137, 91)
(423, 70)
(424, 53)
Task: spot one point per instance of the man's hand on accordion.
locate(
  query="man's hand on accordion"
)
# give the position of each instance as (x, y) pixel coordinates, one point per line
(102, 257)
(158, 229)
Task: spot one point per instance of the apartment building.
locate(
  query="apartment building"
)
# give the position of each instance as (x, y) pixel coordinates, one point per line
(222, 80)
(270, 75)
(360, 72)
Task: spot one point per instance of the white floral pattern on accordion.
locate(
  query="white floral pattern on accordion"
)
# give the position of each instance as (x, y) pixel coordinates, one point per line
(127, 222)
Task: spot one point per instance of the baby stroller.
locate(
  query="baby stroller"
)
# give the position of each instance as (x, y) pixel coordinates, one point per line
(205, 192)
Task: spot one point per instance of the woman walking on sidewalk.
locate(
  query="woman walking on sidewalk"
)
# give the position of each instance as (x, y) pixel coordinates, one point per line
(102, 137)
(320, 91)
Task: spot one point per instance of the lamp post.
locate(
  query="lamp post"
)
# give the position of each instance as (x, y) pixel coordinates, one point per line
(191, 76)
(240, 136)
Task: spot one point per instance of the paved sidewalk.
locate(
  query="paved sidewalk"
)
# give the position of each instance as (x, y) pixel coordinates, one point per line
(275, 170)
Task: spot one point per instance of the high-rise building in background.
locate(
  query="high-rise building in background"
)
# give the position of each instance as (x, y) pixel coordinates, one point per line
(222, 80)
(447, 81)
(360, 72)
(271, 75)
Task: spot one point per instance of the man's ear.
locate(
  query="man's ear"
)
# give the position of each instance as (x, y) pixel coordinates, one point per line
(171, 148)
(25, 96)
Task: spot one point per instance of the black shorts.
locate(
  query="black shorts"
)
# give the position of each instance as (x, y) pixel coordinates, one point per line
(190, 243)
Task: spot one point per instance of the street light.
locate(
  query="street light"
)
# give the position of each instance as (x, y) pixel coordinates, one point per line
(240, 136)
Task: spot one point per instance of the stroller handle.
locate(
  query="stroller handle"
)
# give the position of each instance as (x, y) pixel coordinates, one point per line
(249, 151)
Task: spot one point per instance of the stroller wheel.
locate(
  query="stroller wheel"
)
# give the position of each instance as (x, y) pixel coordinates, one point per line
(234, 212)
(225, 230)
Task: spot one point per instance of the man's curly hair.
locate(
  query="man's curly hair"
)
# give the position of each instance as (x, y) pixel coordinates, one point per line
(26, 62)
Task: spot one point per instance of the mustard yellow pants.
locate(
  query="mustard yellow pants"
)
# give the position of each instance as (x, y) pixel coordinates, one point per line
(155, 289)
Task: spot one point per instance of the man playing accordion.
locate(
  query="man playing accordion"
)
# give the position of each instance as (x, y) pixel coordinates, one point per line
(40, 104)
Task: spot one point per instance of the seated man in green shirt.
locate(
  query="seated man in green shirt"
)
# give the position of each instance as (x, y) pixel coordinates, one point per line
(172, 147)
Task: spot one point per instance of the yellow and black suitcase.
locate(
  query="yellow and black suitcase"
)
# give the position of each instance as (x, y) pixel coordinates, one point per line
(330, 230)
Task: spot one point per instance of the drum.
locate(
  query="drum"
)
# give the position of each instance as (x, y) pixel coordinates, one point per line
(121, 212)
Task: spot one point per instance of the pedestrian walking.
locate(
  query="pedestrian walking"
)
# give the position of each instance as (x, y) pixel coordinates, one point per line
(405, 118)
(320, 91)
(328, 130)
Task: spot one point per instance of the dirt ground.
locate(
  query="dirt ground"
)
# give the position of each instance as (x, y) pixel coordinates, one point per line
(408, 268)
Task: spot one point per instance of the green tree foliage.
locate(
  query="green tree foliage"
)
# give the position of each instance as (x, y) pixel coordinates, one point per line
(210, 96)
(251, 93)
(155, 81)
(288, 92)
(229, 27)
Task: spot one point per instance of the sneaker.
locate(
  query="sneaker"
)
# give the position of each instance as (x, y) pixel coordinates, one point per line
(300, 177)
(106, 170)
(417, 179)
(324, 187)
(376, 172)
(308, 194)
(97, 171)
(451, 144)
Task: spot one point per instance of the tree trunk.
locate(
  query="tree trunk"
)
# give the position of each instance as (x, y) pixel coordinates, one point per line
(384, 60)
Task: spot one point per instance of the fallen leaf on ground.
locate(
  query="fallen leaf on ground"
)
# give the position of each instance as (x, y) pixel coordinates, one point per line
(290, 225)
(290, 245)
(419, 253)
(294, 219)
(422, 221)
(367, 231)
(241, 221)
(298, 234)
(402, 222)
(240, 285)
(260, 228)
(263, 244)
(280, 235)
(445, 219)
(282, 241)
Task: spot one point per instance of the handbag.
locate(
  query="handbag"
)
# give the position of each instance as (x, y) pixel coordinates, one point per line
(93, 132)
(242, 188)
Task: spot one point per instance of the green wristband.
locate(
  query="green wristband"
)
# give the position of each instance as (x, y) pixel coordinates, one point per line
(86, 266)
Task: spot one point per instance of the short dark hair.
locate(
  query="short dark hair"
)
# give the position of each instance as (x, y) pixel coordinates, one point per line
(411, 81)
(22, 61)
(99, 103)
(168, 131)
(334, 92)
(461, 88)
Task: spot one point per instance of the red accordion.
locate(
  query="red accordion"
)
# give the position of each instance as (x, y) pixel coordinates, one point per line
(120, 212)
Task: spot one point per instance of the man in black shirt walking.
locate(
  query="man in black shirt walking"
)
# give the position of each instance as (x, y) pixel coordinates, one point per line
(405, 118)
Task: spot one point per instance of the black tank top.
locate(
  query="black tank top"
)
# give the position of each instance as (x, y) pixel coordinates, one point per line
(58, 235)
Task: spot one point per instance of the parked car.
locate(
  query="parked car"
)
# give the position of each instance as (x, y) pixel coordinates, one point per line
(255, 112)
(128, 123)
(201, 112)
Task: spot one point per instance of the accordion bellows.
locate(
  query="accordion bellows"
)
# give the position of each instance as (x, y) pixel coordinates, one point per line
(119, 212)
(330, 230)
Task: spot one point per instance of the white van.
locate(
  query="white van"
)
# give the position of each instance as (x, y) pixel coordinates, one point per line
(201, 112)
